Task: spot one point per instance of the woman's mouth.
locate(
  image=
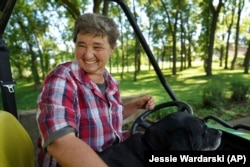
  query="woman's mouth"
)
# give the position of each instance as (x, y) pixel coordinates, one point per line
(90, 62)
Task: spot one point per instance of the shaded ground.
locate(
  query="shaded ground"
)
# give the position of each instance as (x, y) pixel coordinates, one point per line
(245, 120)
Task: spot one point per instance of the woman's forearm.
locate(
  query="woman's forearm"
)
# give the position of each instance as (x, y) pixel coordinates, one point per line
(70, 151)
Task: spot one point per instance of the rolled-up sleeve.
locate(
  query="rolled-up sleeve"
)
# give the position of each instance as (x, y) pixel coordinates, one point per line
(56, 109)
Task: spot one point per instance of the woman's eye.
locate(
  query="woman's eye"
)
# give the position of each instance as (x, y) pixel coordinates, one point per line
(97, 48)
(82, 46)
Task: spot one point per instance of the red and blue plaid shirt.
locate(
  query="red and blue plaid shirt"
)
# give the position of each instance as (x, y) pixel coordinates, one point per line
(70, 99)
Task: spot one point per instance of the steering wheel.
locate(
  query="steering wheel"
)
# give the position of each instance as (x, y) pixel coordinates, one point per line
(141, 122)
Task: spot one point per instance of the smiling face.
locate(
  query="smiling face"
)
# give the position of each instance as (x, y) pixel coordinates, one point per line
(92, 53)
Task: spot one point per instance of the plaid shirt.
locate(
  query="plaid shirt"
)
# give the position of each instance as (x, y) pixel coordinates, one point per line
(70, 99)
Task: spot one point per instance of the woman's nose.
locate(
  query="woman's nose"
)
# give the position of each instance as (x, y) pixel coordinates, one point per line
(89, 53)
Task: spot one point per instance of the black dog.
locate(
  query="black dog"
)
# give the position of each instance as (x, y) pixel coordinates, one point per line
(178, 131)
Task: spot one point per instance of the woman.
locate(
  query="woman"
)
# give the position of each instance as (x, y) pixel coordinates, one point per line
(79, 107)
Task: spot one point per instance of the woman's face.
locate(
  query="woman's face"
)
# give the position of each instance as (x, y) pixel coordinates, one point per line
(92, 53)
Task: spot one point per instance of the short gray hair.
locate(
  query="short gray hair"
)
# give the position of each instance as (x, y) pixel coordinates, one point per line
(96, 24)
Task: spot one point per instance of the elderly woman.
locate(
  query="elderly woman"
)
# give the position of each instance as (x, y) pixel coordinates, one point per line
(80, 111)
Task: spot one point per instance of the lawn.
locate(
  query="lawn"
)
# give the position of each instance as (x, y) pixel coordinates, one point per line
(187, 85)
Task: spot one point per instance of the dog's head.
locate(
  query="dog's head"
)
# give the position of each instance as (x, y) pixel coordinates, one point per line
(182, 131)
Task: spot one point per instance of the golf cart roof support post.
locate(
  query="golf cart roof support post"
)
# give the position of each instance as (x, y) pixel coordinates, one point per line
(144, 44)
(6, 8)
(6, 82)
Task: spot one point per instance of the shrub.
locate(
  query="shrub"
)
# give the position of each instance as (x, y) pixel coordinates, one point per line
(213, 96)
(239, 91)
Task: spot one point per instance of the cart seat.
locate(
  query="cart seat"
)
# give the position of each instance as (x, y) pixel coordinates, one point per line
(16, 147)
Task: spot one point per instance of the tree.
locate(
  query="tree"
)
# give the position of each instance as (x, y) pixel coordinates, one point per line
(172, 24)
(71, 7)
(247, 59)
(229, 21)
(215, 10)
(240, 8)
(31, 27)
(39, 33)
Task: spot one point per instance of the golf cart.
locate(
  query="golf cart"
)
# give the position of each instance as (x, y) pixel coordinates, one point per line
(16, 147)
(232, 138)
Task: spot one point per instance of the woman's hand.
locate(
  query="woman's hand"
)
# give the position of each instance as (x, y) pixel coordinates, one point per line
(146, 102)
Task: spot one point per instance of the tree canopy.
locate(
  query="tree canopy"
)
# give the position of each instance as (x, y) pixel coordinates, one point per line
(39, 34)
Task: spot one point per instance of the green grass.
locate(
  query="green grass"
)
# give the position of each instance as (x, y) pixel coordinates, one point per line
(187, 86)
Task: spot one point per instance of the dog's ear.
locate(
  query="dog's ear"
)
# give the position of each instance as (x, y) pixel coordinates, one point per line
(195, 129)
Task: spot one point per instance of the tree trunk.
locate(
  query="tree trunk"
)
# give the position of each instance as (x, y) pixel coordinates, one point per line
(215, 15)
(228, 45)
(240, 8)
(105, 7)
(96, 7)
(189, 58)
(137, 59)
(36, 77)
(222, 48)
(247, 59)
